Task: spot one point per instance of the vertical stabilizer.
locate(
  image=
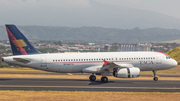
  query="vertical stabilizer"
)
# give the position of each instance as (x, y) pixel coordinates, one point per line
(19, 44)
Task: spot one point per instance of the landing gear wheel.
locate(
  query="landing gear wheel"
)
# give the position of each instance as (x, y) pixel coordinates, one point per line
(92, 78)
(155, 78)
(104, 79)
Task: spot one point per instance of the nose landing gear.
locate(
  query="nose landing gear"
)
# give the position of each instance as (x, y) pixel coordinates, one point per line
(155, 78)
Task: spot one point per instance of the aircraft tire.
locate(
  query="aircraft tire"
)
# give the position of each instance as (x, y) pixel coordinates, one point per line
(155, 78)
(104, 79)
(92, 78)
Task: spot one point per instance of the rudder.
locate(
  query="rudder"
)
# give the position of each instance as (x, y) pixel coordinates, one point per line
(19, 43)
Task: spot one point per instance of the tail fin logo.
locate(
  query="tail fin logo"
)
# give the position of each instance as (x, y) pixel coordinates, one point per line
(16, 43)
(19, 43)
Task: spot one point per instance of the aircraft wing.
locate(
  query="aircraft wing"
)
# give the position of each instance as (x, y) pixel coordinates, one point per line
(110, 65)
(107, 66)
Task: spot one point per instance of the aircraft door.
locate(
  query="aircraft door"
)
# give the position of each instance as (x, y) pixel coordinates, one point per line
(43, 61)
(157, 63)
(158, 60)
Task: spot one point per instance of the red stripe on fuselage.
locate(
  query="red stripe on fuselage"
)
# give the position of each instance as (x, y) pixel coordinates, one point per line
(163, 53)
(88, 62)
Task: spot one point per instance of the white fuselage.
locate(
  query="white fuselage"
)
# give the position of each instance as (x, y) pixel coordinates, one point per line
(76, 62)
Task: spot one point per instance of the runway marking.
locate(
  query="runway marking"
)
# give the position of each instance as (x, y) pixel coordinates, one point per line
(21, 86)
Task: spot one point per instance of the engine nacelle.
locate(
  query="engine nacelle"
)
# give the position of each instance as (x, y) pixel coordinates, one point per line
(127, 73)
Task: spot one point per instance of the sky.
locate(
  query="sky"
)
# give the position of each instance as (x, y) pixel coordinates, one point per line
(14, 11)
(168, 7)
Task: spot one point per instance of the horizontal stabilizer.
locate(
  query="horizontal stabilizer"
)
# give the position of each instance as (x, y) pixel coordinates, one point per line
(22, 60)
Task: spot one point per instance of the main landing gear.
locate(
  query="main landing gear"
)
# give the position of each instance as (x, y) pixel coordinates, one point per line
(93, 78)
(104, 79)
(155, 78)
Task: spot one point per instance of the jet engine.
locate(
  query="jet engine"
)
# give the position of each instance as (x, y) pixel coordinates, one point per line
(127, 73)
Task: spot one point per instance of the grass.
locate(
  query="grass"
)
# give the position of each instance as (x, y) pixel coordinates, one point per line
(175, 70)
(70, 76)
(18, 69)
(86, 96)
(82, 95)
(79, 77)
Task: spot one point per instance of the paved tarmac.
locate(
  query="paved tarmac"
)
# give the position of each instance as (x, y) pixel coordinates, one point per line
(86, 85)
(54, 73)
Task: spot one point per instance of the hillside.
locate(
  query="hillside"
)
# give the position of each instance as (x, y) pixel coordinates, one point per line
(96, 34)
(175, 54)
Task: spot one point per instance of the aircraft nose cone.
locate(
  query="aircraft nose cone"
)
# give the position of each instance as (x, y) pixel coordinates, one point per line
(174, 63)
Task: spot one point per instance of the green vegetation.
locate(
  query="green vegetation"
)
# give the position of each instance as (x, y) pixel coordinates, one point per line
(2, 47)
(3, 65)
(46, 50)
(58, 43)
(175, 54)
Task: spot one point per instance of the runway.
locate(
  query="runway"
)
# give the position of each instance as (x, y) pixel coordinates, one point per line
(86, 85)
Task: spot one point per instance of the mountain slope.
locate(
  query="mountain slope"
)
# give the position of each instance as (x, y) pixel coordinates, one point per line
(175, 54)
(96, 34)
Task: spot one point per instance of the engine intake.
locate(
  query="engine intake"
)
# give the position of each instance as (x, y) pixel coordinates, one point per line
(127, 73)
(2, 60)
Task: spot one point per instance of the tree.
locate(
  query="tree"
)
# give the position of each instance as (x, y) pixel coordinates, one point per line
(58, 43)
(46, 50)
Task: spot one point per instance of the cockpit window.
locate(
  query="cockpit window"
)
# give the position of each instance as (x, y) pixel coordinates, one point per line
(168, 57)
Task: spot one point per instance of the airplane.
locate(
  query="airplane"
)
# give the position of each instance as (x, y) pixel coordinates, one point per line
(120, 64)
